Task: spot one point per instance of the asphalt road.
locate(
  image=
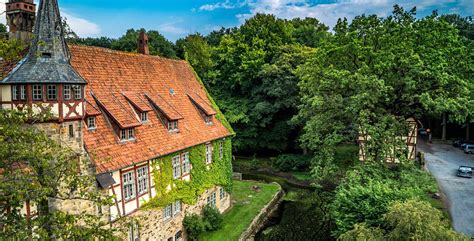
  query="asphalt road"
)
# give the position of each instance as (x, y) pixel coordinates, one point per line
(443, 161)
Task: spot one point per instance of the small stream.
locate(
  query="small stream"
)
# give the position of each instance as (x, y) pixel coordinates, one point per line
(301, 216)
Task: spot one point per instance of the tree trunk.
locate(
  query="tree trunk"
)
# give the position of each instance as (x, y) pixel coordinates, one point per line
(443, 136)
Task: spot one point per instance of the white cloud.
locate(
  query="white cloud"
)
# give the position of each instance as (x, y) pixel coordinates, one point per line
(171, 28)
(3, 17)
(212, 7)
(81, 26)
(329, 13)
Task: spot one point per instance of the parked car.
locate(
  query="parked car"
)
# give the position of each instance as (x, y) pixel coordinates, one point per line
(465, 171)
(464, 144)
(469, 149)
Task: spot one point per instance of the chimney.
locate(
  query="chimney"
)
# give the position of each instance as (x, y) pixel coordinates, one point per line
(143, 43)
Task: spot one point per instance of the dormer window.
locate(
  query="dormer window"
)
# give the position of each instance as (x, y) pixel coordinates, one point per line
(127, 134)
(208, 119)
(144, 116)
(91, 123)
(172, 126)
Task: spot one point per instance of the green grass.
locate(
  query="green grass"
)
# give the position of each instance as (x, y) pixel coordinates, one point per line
(247, 203)
(302, 176)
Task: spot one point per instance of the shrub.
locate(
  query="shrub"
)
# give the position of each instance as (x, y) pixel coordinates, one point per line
(212, 218)
(194, 226)
(292, 162)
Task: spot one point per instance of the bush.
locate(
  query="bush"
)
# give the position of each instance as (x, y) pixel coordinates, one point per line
(292, 162)
(212, 218)
(194, 226)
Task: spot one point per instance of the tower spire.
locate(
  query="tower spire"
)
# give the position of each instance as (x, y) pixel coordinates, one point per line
(49, 59)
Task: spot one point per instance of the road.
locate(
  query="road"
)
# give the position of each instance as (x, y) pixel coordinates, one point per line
(443, 161)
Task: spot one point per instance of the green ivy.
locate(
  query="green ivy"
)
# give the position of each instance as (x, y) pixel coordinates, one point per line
(203, 176)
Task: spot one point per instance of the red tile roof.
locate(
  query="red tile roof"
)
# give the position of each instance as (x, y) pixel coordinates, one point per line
(120, 83)
(92, 109)
(200, 103)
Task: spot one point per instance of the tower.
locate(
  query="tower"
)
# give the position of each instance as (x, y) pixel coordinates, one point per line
(20, 18)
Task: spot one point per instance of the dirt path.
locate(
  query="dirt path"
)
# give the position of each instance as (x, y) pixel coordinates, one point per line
(443, 161)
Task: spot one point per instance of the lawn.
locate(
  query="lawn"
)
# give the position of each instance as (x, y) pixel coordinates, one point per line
(247, 203)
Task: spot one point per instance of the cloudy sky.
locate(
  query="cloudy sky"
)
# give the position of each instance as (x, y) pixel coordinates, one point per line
(177, 18)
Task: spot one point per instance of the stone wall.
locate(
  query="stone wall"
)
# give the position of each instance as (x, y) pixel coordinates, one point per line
(259, 221)
(152, 226)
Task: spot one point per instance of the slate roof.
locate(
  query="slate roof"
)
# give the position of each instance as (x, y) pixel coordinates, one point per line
(119, 83)
(49, 56)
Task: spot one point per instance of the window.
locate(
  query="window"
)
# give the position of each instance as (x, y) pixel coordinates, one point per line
(209, 153)
(221, 150)
(178, 236)
(173, 126)
(208, 119)
(128, 180)
(185, 163)
(176, 167)
(142, 174)
(211, 199)
(71, 131)
(52, 92)
(144, 116)
(127, 134)
(23, 92)
(133, 232)
(222, 193)
(67, 92)
(14, 92)
(77, 92)
(37, 92)
(177, 207)
(168, 212)
(91, 123)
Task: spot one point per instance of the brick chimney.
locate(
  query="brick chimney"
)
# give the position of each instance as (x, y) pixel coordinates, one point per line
(143, 43)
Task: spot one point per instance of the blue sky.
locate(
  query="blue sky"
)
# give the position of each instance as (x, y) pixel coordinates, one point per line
(177, 18)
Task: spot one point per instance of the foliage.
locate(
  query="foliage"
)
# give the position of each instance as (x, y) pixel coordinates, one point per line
(68, 31)
(292, 162)
(103, 42)
(36, 169)
(10, 50)
(361, 232)
(372, 75)
(212, 217)
(368, 190)
(408, 220)
(198, 53)
(465, 25)
(203, 176)
(194, 226)
(3, 28)
(246, 204)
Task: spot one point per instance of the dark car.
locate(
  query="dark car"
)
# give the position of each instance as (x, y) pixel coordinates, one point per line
(465, 171)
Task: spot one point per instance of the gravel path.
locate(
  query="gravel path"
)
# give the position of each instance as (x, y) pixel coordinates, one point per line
(443, 161)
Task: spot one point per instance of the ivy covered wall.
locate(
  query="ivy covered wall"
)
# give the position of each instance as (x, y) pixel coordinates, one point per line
(203, 176)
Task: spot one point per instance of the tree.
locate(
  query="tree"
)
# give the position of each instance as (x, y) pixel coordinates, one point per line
(309, 31)
(11, 51)
(375, 73)
(361, 232)
(3, 28)
(103, 42)
(37, 170)
(465, 25)
(198, 53)
(157, 43)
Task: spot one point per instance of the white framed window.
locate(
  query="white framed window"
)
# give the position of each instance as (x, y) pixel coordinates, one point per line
(222, 193)
(23, 92)
(211, 199)
(77, 92)
(173, 125)
(128, 185)
(176, 167)
(208, 153)
(144, 116)
(67, 92)
(37, 92)
(168, 212)
(14, 92)
(52, 92)
(186, 164)
(177, 207)
(142, 174)
(127, 134)
(91, 125)
(221, 150)
(208, 119)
